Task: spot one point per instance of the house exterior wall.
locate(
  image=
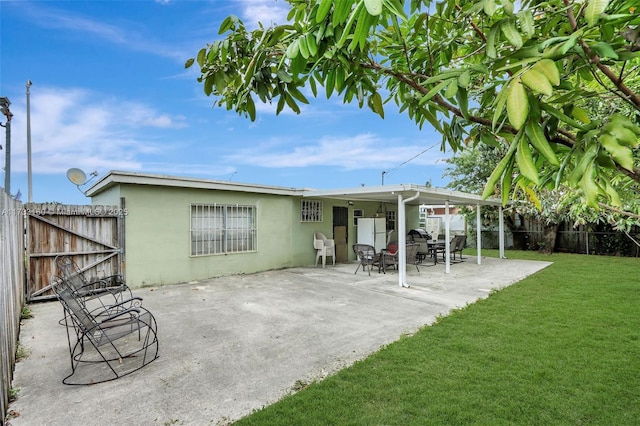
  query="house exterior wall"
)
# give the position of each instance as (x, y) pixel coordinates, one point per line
(158, 240)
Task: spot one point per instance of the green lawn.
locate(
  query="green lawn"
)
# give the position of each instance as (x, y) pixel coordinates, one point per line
(560, 347)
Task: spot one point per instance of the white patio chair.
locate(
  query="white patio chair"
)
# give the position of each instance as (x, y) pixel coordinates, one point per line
(324, 247)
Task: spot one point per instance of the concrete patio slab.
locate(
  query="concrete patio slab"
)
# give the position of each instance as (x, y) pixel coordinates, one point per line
(231, 345)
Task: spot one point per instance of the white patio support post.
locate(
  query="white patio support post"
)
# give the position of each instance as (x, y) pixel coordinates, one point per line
(402, 244)
(402, 239)
(447, 238)
(501, 232)
(479, 233)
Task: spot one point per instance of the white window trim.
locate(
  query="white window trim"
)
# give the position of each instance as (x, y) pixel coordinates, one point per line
(311, 211)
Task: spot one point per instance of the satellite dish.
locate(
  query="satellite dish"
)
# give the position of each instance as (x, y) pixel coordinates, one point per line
(76, 176)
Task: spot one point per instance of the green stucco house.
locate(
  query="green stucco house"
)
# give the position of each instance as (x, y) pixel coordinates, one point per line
(180, 229)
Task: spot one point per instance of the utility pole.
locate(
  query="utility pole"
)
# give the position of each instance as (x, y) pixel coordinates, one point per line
(29, 144)
(4, 109)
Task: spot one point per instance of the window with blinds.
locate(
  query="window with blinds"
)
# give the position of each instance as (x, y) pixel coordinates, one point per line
(219, 229)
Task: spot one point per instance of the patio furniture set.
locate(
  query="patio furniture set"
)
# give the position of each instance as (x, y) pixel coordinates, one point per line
(418, 249)
(110, 334)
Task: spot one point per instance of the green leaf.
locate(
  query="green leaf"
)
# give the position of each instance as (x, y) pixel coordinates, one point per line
(536, 136)
(583, 163)
(341, 11)
(505, 185)
(612, 194)
(323, 10)
(303, 46)
(346, 33)
(525, 162)
(491, 41)
(525, 18)
(375, 103)
(283, 76)
(443, 75)
(510, 31)
(589, 187)
(311, 44)
(293, 91)
(508, 7)
(330, 83)
(437, 88)
(208, 85)
(581, 115)
(293, 49)
(227, 24)
(275, 35)
(281, 103)
(464, 79)
(189, 62)
(396, 7)
(452, 89)
(250, 107)
(623, 155)
(537, 82)
(517, 103)
(594, 9)
(562, 116)
(292, 103)
(501, 100)
(374, 7)
(489, 7)
(549, 69)
(202, 57)
(604, 50)
(433, 120)
(463, 101)
(571, 42)
(361, 32)
(500, 168)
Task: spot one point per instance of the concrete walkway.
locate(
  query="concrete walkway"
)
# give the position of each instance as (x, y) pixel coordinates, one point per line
(231, 345)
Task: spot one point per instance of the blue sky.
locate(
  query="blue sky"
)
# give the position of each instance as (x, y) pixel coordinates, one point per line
(110, 92)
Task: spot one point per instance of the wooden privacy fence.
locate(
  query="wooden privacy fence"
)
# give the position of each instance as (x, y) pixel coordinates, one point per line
(11, 290)
(93, 236)
(31, 236)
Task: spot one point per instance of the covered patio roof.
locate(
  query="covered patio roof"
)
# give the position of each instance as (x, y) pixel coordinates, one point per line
(389, 194)
(412, 194)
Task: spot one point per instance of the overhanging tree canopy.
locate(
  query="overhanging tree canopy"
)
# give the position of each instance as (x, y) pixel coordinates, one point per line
(555, 81)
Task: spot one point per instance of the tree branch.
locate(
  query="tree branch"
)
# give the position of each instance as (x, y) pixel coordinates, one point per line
(629, 95)
(615, 210)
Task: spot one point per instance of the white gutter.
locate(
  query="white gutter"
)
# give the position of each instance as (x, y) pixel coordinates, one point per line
(402, 239)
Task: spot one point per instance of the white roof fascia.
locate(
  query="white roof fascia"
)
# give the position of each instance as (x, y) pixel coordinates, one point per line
(118, 177)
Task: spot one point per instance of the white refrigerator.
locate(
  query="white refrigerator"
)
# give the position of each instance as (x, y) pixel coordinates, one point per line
(372, 231)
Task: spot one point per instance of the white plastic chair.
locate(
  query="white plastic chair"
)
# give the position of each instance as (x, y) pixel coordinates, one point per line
(324, 247)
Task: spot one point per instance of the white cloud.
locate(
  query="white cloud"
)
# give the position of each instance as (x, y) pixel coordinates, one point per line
(364, 151)
(77, 128)
(268, 12)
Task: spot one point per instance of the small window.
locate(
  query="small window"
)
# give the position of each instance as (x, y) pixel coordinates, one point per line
(357, 213)
(311, 211)
(219, 229)
(391, 220)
